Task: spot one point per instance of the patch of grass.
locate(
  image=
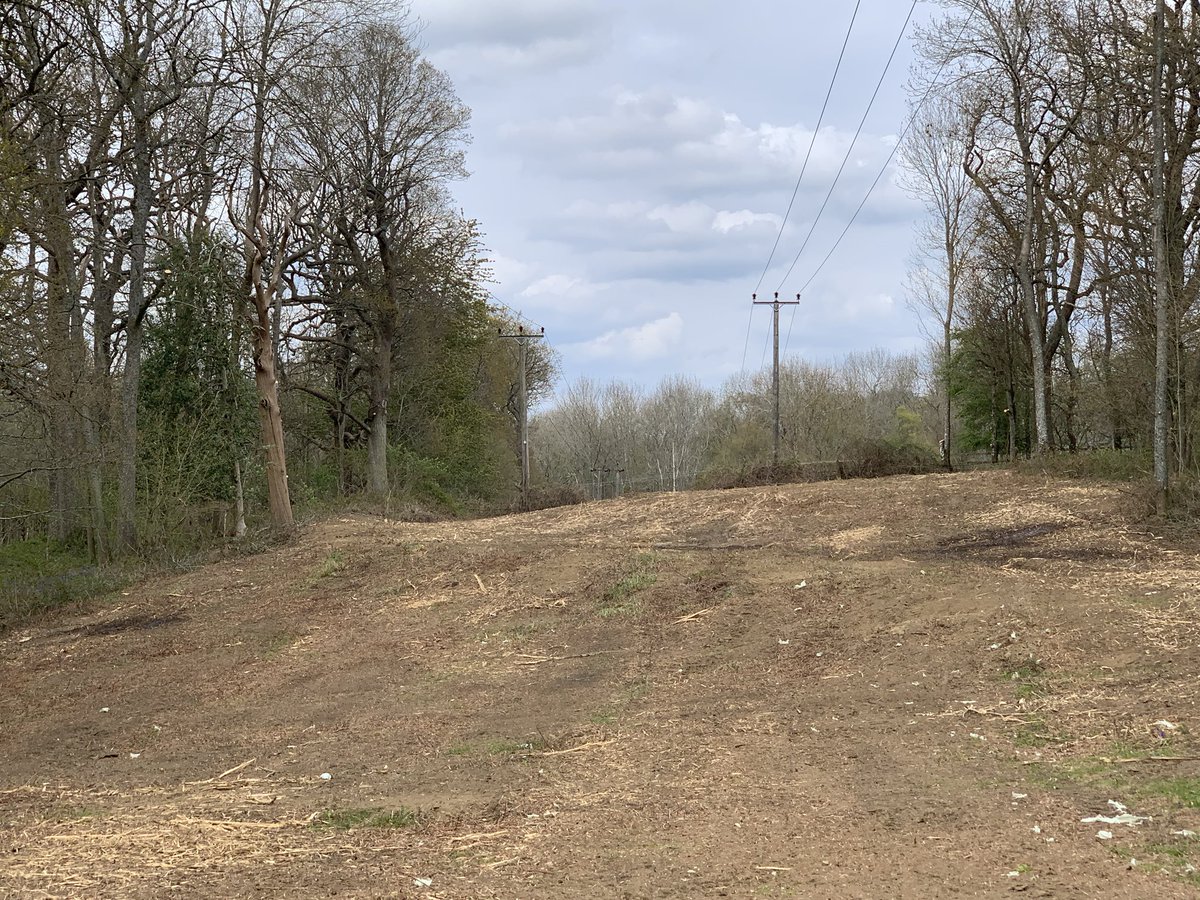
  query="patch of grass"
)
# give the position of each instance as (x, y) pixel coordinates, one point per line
(603, 717)
(628, 608)
(1173, 851)
(1180, 791)
(333, 564)
(38, 576)
(638, 689)
(497, 747)
(79, 813)
(638, 573)
(1038, 734)
(274, 644)
(346, 819)
(516, 632)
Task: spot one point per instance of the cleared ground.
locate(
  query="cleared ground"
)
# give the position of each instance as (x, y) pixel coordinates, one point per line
(912, 687)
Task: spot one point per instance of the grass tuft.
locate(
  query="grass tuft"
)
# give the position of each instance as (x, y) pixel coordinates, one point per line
(334, 564)
(346, 819)
(619, 599)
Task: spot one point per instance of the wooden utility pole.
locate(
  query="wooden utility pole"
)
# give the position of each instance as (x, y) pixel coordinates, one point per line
(523, 337)
(1161, 293)
(775, 304)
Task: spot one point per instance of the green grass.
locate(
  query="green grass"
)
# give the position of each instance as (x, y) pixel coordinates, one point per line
(497, 747)
(346, 819)
(1180, 791)
(276, 643)
(333, 564)
(619, 599)
(1038, 734)
(38, 576)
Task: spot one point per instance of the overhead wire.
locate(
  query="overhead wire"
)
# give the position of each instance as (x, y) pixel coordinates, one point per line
(803, 168)
(857, 134)
(493, 300)
(933, 84)
(811, 144)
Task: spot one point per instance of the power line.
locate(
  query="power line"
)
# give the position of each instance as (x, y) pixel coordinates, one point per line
(857, 134)
(493, 300)
(795, 191)
(766, 346)
(933, 84)
(746, 346)
(812, 143)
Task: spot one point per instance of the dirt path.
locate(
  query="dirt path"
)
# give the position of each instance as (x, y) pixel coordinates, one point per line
(912, 687)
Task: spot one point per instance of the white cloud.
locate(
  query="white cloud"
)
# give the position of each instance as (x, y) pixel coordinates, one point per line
(726, 222)
(553, 285)
(641, 343)
(687, 218)
(474, 36)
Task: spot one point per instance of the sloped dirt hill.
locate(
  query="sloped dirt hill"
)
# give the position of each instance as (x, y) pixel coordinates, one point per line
(912, 687)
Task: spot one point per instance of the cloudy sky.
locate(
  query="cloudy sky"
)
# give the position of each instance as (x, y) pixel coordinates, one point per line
(633, 159)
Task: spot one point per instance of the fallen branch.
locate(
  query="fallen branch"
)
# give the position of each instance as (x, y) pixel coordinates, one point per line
(236, 768)
(538, 660)
(578, 749)
(692, 617)
(265, 826)
(1155, 759)
(501, 862)
(483, 835)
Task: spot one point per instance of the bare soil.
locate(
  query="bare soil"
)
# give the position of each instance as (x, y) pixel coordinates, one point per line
(909, 687)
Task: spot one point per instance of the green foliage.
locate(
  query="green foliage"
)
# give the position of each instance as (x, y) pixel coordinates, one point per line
(37, 576)
(984, 380)
(197, 407)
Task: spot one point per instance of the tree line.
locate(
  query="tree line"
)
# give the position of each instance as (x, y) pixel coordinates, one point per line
(872, 411)
(1056, 144)
(231, 271)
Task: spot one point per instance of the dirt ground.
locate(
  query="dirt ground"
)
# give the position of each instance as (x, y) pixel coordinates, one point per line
(911, 687)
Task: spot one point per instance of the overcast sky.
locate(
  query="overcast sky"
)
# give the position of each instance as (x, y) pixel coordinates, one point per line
(633, 159)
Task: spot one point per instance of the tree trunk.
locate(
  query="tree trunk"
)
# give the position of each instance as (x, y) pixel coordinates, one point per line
(132, 375)
(1161, 296)
(946, 350)
(270, 419)
(377, 419)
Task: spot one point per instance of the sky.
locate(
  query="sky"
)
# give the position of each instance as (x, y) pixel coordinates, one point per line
(632, 162)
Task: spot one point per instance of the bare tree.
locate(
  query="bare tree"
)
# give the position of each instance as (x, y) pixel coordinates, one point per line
(934, 161)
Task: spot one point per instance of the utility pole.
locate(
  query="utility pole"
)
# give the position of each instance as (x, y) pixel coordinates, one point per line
(775, 304)
(523, 337)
